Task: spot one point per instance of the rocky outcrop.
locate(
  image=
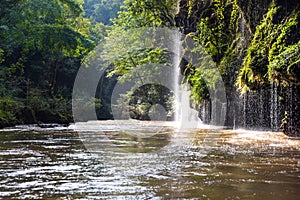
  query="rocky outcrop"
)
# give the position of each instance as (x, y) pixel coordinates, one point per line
(270, 106)
(190, 11)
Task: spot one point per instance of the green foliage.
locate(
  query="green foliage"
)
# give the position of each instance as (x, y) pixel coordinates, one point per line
(219, 32)
(1, 55)
(146, 13)
(216, 28)
(102, 11)
(199, 89)
(284, 67)
(145, 98)
(125, 49)
(132, 61)
(98, 32)
(87, 103)
(125, 45)
(100, 14)
(284, 56)
(273, 55)
(254, 70)
(9, 107)
(47, 28)
(41, 47)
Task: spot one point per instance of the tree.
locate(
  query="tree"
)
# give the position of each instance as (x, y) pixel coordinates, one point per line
(41, 40)
(102, 11)
(126, 32)
(147, 13)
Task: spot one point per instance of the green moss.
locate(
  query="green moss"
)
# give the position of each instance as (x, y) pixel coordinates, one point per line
(284, 56)
(254, 70)
(284, 67)
(273, 55)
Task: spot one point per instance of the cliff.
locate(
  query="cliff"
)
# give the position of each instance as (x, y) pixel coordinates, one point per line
(255, 44)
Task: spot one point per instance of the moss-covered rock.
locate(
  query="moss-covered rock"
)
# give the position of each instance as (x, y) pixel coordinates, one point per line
(255, 44)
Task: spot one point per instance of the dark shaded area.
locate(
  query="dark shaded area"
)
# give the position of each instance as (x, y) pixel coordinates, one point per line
(148, 97)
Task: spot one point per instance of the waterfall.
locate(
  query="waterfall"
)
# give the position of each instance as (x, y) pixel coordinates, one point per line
(260, 123)
(244, 110)
(241, 100)
(274, 107)
(176, 72)
(185, 116)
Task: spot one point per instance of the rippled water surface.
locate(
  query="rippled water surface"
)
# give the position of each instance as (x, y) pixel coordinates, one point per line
(152, 161)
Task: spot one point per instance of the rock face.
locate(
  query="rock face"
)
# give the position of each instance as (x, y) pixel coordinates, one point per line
(270, 107)
(291, 121)
(254, 10)
(189, 14)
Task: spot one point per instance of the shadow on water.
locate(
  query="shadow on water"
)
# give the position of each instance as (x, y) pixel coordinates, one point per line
(54, 163)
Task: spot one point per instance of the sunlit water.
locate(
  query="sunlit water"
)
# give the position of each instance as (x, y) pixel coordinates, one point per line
(153, 161)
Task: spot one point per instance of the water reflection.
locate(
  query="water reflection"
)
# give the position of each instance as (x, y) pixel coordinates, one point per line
(41, 163)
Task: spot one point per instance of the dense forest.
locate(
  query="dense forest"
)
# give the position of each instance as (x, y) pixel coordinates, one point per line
(255, 45)
(43, 43)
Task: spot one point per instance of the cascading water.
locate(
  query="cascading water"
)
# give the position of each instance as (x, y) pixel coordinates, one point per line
(259, 109)
(185, 116)
(176, 72)
(273, 111)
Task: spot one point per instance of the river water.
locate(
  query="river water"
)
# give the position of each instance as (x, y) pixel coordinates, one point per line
(148, 161)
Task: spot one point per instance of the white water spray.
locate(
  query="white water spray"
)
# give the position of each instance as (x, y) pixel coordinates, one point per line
(185, 116)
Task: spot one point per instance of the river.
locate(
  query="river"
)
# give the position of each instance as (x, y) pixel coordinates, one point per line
(147, 162)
